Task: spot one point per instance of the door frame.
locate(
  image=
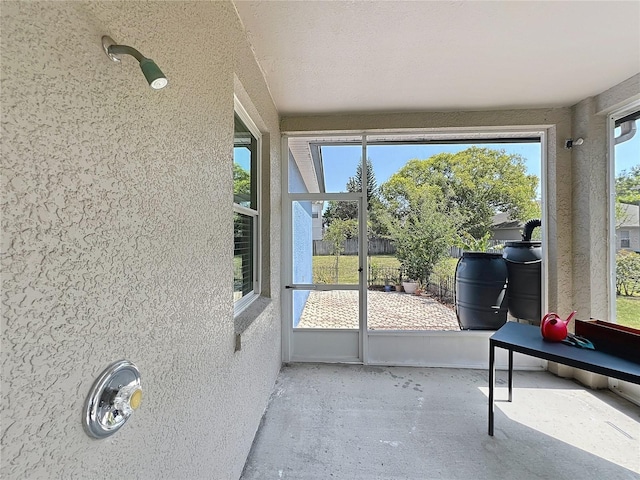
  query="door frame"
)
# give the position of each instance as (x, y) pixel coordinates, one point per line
(414, 348)
(322, 335)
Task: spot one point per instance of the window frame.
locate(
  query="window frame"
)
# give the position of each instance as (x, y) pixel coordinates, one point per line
(242, 303)
(612, 250)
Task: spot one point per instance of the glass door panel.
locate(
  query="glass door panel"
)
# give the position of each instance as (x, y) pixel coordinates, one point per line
(323, 297)
(626, 167)
(325, 264)
(333, 309)
(324, 165)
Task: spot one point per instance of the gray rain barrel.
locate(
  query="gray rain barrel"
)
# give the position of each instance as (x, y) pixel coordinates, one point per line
(524, 264)
(481, 287)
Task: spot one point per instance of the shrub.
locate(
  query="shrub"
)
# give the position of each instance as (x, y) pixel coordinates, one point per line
(627, 273)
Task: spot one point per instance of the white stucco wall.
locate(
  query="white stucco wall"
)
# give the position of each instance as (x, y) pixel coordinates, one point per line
(117, 239)
(592, 290)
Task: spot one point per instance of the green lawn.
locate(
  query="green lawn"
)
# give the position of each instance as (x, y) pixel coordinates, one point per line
(628, 311)
(382, 266)
(324, 268)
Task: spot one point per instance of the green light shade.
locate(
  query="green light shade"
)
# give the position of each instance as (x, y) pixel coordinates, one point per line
(153, 74)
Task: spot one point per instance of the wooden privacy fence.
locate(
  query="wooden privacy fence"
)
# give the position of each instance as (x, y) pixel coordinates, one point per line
(377, 246)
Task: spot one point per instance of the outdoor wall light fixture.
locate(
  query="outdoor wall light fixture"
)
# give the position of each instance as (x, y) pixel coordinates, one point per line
(570, 142)
(151, 71)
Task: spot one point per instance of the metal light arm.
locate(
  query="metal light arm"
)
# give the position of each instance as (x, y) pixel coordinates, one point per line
(151, 71)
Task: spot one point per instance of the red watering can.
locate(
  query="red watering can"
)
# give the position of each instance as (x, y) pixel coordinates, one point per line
(553, 328)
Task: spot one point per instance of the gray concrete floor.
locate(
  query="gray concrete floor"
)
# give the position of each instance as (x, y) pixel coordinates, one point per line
(354, 422)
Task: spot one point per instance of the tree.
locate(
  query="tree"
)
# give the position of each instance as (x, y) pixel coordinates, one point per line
(372, 185)
(473, 184)
(337, 233)
(241, 184)
(622, 213)
(423, 235)
(627, 272)
(628, 186)
(346, 210)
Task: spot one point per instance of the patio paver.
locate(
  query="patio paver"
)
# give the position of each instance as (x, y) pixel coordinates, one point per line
(387, 311)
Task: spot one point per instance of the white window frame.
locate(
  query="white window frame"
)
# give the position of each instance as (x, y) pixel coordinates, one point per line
(242, 303)
(611, 134)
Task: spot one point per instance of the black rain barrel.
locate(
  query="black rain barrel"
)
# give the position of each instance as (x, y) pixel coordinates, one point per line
(524, 264)
(481, 285)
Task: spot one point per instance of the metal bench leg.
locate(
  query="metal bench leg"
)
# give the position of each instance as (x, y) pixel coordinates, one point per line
(492, 373)
(510, 375)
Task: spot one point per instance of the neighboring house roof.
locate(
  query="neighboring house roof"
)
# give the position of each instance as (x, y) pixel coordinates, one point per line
(501, 221)
(630, 216)
(302, 155)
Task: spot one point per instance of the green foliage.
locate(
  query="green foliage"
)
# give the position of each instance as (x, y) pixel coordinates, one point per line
(622, 213)
(374, 271)
(628, 186)
(337, 233)
(346, 210)
(627, 273)
(445, 267)
(372, 185)
(422, 236)
(471, 244)
(473, 184)
(340, 210)
(241, 184)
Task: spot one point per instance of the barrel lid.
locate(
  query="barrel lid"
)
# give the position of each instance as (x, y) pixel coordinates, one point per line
(482, 255)
(523, 244)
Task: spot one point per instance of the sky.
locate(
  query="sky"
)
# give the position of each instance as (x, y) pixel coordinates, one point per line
(627, 154)
(340, 162)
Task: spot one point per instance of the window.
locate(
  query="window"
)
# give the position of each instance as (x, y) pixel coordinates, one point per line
(624, 224)
(624, 239)
(246, 211)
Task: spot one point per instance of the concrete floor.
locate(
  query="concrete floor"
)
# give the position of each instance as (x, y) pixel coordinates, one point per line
(355, 423)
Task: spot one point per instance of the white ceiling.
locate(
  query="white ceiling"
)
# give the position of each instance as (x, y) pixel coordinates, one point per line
(382, 56)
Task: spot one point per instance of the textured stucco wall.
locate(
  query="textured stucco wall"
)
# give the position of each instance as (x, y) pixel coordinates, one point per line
(593, 293)
(618, 96)
(117, 239)
(591, 212)
(556, 122)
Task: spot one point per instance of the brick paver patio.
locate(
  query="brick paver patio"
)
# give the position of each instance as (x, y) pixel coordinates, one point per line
(387, 311)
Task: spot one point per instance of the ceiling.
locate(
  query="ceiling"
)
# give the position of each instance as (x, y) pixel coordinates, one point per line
(395, 56)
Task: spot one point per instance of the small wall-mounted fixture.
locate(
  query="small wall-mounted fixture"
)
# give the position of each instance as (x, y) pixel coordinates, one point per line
(115, 395)
(569, 143)
(151, 71)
